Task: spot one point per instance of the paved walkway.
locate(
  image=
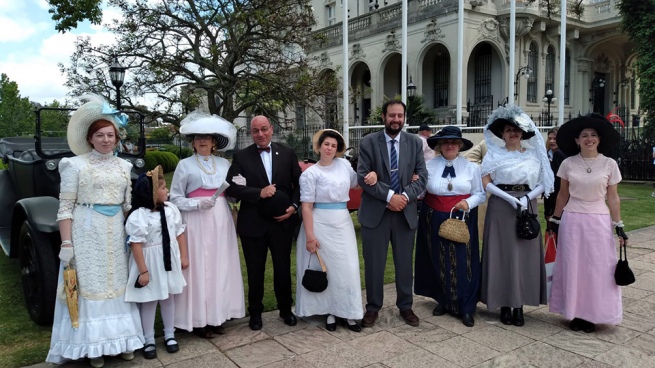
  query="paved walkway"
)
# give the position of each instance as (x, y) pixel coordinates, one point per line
(544, 341)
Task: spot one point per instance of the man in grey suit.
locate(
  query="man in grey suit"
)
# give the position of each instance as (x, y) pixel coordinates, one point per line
(388, 209)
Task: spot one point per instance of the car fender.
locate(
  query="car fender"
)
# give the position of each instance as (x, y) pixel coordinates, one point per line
(40, 212)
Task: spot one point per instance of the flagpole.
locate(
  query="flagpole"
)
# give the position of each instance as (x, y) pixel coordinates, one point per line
(460, 57)
(346, 97)
(512, 53)
(403, 80)
(562, 64)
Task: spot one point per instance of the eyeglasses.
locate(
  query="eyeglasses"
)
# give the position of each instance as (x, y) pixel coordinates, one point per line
(202, 137)
(262, 130)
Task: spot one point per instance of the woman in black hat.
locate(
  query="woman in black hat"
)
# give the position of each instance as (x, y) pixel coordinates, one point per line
(445, 270)
(583, 288)
(516, 171)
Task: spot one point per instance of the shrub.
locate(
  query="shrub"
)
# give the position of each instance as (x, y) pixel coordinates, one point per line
(186, 152)
(2, 166)
(167, 160)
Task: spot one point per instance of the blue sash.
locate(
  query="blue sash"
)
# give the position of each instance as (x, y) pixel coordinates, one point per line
(331, 205)
(104, 209)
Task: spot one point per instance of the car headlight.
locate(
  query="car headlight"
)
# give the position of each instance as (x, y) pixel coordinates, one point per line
(51, 165)
(139, 163)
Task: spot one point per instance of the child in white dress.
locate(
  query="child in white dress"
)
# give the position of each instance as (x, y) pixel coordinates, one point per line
(157, 259)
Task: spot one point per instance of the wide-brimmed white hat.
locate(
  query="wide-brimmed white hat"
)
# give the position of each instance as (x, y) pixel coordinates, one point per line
(97, 108)
(201, 123)
(317, 135)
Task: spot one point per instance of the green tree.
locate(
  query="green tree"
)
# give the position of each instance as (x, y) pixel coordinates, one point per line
(55, 122)
(417, 112)
(241, 55)
(68, 13)
(16, 112)
(638, 17)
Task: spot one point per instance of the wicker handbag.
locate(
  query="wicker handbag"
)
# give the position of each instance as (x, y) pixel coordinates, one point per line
(455, 229)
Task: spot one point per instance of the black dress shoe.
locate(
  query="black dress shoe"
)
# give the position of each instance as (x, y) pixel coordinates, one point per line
(255, 322)
(172, 348)
(331, 326)
(289, 318)
(354, 327)
(576, 324)
(517, 317)
(439, 310)
(506, 315)
(467, 320)
(150, 354)
(588, 327)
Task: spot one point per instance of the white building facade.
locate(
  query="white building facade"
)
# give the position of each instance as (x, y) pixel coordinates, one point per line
(599, 73)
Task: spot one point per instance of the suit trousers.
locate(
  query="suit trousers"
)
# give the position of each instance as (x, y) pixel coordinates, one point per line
(255, 251)
(375, 241)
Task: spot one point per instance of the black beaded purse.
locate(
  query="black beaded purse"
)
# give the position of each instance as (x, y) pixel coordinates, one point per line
(527, 225)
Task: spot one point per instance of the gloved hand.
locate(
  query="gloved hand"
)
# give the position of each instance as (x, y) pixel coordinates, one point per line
(239, 180)
(66, 254)
(524, 203)
(620, 233)
(207, 203)
(554, 224)
(513, 201)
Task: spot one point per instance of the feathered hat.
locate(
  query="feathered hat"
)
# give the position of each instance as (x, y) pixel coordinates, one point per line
(510, 115)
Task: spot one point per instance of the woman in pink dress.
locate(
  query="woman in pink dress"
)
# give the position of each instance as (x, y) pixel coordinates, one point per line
(214, 291)
(583, 288)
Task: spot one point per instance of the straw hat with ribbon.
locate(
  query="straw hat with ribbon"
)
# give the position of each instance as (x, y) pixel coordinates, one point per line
(198, 123)
(97, 108)
(317, 135)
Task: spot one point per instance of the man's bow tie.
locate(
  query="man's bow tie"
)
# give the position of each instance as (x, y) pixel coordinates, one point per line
(267, 149)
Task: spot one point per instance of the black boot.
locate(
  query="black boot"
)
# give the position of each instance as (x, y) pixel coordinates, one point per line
(506, 315)
(517, 317)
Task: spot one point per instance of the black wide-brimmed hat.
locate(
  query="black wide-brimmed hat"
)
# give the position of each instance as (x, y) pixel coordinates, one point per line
(570, 130)
(450, 132)
(274, 206)
(517, 121)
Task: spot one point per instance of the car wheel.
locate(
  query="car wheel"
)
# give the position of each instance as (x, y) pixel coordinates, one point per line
(38, 273)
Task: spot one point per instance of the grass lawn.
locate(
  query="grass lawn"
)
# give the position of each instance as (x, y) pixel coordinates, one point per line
(24, 343)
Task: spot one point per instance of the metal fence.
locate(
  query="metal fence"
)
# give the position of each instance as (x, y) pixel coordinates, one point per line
(633, 153)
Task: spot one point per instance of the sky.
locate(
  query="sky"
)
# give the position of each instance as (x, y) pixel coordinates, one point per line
(30, 48)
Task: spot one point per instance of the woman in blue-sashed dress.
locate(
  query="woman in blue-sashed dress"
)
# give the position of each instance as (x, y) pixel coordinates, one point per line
(328, 228)
(445, 270)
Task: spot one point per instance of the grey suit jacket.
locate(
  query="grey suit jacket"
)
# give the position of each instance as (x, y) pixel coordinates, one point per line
(374, 156)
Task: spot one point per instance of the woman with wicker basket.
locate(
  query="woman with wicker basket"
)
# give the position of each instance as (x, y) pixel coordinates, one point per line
(516, 171)
(449, 270)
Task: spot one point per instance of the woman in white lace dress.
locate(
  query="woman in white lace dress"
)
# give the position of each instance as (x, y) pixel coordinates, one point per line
(94, 195)
(515, 171)
(328, 228)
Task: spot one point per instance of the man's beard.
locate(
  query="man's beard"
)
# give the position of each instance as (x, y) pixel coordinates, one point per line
(392, 131)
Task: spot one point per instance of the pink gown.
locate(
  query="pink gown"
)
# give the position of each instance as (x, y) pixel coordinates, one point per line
(583, 279)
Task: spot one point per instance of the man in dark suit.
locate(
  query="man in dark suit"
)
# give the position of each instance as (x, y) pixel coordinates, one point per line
(271, 173)
(388, 209)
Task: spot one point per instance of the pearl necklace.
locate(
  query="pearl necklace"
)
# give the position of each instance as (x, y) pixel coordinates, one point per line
(212, 172)
(587, 163)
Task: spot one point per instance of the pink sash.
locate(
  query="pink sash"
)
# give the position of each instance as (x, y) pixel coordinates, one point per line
(200, 192)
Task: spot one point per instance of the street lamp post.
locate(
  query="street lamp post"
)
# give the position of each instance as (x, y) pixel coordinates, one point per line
(524, 71)
(549, 99)
(411, 92)
(117, 76)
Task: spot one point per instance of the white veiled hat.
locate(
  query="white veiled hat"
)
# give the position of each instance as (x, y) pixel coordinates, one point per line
(95, 109)
(201, 123)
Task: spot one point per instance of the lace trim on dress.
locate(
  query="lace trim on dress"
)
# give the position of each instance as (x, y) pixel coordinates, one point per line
(510, 158)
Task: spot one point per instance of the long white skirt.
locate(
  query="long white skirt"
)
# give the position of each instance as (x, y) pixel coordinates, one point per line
(343, 297)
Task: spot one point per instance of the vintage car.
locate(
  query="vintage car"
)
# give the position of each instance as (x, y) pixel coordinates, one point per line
(29, 192)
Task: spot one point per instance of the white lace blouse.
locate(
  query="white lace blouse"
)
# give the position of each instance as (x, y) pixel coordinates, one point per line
(93, 178)
(513, 167)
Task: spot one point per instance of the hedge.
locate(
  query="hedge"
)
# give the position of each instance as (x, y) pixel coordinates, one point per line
(167, 160)
(186, 152)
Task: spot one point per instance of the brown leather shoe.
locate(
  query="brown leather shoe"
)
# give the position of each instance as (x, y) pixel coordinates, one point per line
(369, 319)
(409, 317)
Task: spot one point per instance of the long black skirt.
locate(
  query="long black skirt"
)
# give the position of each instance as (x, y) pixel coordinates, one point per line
(446, 271)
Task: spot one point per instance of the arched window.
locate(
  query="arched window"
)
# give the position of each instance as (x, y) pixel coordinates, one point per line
(550, 69)
(482, 91)
(567, 78)
(533, 55)
(441, 78)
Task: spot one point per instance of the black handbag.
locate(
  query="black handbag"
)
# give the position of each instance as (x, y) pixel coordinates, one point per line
(623, 275)
(315, 280)
(527, 225)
